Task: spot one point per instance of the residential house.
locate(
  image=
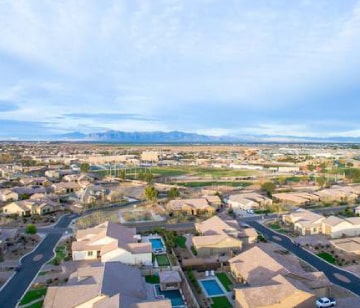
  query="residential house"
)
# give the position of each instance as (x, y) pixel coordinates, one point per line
(21, 208)
(111, 242)
(191, 206)
(7, 195)
(296, 199)
(349, 245)
(213, 200)
(337, 227)
(66, 187)
(238, 203)
(112, 284)
(220, 238)
(29, 190)
(30, 207)
(40, 181)
(279, 292)
(93, 193)
(247, 201)
(357, 210)
(263, 275)
(305, 222)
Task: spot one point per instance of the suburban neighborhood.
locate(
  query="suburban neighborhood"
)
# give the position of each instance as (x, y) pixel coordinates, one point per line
(179, 226)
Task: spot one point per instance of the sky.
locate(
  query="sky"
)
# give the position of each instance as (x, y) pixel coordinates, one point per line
(226, 67)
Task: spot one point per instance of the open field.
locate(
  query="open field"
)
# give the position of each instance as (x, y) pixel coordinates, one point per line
(213, 183)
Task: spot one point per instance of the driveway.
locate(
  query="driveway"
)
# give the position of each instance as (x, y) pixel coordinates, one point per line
(336, 275)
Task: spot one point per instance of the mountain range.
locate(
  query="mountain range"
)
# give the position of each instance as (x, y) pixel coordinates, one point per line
(183, 137)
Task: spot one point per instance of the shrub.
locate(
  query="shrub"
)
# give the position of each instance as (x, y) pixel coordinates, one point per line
(31, 229)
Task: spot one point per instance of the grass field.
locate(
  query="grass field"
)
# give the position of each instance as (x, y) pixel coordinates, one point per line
(225, 280)
(213, 183)
(33, 295)
(152, 279)
(220, 302)
(162, 260)
(199, 171)
(327, 257)
(180, 241)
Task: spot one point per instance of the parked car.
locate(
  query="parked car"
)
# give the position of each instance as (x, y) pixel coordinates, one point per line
(324, 302)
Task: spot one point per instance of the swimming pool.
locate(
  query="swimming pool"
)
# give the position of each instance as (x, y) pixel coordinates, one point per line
(174, 296)
(157, 244)
(211, 287)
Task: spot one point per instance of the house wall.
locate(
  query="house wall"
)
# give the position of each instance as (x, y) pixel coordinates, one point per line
(126, 257)
(83, 255)
(347, 231)
(9, 197)
(224, 247)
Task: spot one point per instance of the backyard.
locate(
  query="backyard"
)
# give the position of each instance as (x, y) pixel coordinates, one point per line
(220, 302)
(225, 281)
(153, 279)
(180, 241)
(162, 260)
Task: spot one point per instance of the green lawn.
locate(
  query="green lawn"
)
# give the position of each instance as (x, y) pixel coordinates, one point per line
(168, 171)
(60, 254)
(162, 260)
(180, 241)
(38, 304)
(327, 257)
(225, 280)
(213, 183)
(152, 279)
(275, 226)
(33, 295)
(220, 302)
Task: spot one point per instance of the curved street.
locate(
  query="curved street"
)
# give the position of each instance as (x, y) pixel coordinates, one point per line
(350, 281)
(16, 286)
(14, 289)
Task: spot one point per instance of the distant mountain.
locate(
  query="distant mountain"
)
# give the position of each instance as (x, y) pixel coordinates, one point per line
(182, 137)
(142, 137)
(71, 136)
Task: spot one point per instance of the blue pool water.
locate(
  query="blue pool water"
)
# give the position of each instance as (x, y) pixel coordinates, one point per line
(173, 295)
(212, 287)
(156, 243)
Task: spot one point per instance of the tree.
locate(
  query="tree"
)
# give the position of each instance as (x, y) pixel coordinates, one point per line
(24, 196)
(311, 167)
(321, 181)
(282, 180)
(269, 188)
(31, 229)
(173, 193)
(122, 174)
(84, 167)
(349, 164)
(353, 174)
(151, 193)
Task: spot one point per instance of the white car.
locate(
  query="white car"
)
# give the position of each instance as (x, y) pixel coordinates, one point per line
(324, 302)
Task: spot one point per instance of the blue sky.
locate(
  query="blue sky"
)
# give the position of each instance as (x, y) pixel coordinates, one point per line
(240, 67)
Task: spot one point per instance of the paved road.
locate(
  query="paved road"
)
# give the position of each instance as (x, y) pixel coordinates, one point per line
(333, 273)
(18, 284)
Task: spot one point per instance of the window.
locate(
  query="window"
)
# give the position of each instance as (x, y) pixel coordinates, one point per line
(90, 253)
